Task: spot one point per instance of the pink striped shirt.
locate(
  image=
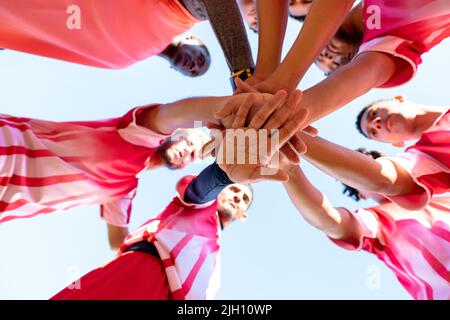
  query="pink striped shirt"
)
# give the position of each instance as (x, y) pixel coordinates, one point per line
(100, 33)
(415, 245)
(50, 166)
(428, 163)
(407, 29)
(187, 239)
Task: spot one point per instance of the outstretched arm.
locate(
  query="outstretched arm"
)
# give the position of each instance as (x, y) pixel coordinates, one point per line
(168, 117)
(359, 171)
(367, 71)
(207, 185)
(320, 26)
(337, 223)
(272, 21)
(226, 21)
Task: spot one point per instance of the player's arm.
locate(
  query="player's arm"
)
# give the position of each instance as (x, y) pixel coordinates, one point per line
(117, 215)
(116, 236)
(357, 170)
(168, 117)
(313, 205)
(272, 21)
(226, 21)
(365, 72)
(320, 26)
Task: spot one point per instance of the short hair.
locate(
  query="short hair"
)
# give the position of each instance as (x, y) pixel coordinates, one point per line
(361, 113)
(253, 194)
(298, 18)
(353, 192)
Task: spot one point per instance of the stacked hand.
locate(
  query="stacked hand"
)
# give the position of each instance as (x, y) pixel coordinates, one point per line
(246, 150)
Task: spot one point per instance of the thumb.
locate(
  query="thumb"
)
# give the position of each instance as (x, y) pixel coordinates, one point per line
(244, 87)
(208, 149)
(311, 131)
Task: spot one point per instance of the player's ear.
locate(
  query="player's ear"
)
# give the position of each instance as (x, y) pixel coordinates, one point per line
(242, 216)
(400, 98)
(399, 144)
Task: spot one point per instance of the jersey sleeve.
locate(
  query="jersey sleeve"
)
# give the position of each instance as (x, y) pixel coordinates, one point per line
(407, 57)
(135, 134)
(371, 234)
(432, 176)
(117, 213)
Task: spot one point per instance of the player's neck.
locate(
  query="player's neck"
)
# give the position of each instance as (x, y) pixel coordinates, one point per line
(353, 24)
(155, 162)
(426, 117)
(169, 52)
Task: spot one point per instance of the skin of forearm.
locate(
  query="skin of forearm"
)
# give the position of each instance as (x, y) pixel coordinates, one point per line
(226, 21)
(358, 170)
(324, 19)
(166, 118)
(347, 83)
(272, 21)
(315, 207)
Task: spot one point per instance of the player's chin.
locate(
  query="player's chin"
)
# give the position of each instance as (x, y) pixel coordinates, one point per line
(172, 165)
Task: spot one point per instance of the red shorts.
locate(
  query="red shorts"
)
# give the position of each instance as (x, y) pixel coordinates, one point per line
(131, 276)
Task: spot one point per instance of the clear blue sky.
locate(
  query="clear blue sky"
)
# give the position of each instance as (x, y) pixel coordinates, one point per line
(274, 255)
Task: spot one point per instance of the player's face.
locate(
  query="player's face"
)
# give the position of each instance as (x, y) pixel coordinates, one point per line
(234, 201)
(336, 54)
(387, 122)
(182, 152)
(299, 8)
(191, 58)
(248, 8)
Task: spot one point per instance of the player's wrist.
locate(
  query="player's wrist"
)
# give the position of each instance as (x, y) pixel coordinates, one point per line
(242, 74)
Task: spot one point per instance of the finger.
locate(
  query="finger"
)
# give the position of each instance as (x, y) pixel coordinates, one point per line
(311, 131)
(282, 114)
(243, 111)
(272, 175)
(297, 144)
(290, 154)
(212, 125)
(292, 126)
(243, 87)
(209, 148)
(280, 136)
(260, 117)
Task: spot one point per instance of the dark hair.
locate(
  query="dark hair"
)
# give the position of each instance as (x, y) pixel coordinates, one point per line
(361, 113)
(298, 18)
(350, 191)
(253, 194)
(161, 151)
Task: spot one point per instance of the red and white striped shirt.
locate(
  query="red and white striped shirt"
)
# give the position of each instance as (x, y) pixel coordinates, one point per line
(50, 166)
(428, 163)
(407, 29)
(187, 238)
(415, 245)
(100, 33)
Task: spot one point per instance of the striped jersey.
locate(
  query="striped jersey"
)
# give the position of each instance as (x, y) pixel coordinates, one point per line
(99, 33)
(187, 239)
(405, 29)
(415, 245)
(50, 166)
(428, 163)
